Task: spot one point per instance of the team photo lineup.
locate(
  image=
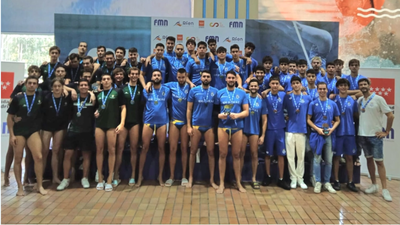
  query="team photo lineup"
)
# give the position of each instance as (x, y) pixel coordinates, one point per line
(204, 95)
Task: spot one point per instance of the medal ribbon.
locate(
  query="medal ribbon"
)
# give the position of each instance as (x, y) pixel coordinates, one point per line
(55, 104)
(364, 106)
(80, 107)
(295, 103)
(29, 107)
(324, 111)
(274, 104)
(103, 100)
(178, 88)
(48, 69)
(343, 105)
(134, 92)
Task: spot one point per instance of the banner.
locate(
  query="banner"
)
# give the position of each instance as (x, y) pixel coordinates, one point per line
(383, 83)
(225, 31)
(11, 73)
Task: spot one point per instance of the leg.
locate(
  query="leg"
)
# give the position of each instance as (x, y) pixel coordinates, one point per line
(146, 138)
(86, 163)
(161, 137)
(28, 161)
(111, 141)
(236, 141)
(301, 151)
(328, 159)
(223, 151)
(46, 137)
(382, 173)
(254, 155)
(291, 154)
(35, 145)
(281, 165)
(184, 150)
(336, 160)
(173, 146)
(9, 160)
(67, 162)
(58, 138)
(121, 139)
(371, 169)
(268, 165)
(99, 137)
(243, 147)
(18, 154)
(194, 143)
(209, 138)
(134, 139)
(349, 167)
(317, 167)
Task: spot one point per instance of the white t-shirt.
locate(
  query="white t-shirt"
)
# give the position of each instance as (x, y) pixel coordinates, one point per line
(373, 119)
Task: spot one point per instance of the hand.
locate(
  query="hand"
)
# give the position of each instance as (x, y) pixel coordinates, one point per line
(142, 59)
(305, 93)
(123, 62)
(261, 140)
(148, 59)
(248, 61)
(276, 70)
(17, 119)
(286, 118)
(322, 72)
(222, 116)
(96, 66)
(354, 97)
(92, 97)
(13, 140)
(74, 95)
(240, 87)
(248, 79)
(65, 93)
(190, 131)
(20, 83)
(234, 116)
(237, 69)
(321, 131)
(148, 87)
(381, 135)
(265, 93)
(67, 63)
(119, 128)
(330, 131)
(197, 61)
(332, 96)
(96, 114)
(44, 63)
(192, 85)
(289, 92)
(19, 93)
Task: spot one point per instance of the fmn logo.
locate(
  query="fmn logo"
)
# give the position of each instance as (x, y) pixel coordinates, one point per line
(160, 23)
(384, 87)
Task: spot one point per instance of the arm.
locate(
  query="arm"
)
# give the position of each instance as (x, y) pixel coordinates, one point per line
(263, 129)
(248, 60)
(239, 81)
(312, 125)
(242, 114)
(141, 79)
(335, 125)
(210, 55)
(189, 118)
(123, 116)
(389, 124)
(10, 125)
(73, 92)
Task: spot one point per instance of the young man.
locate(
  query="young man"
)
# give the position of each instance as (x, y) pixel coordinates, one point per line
(275, 136)
(80, 135)
(302, 69)
(132, 93)
(155, 119)
(101, 51)
(354, 77)
(234, 107)
(330, 80)
(293, 67)
(110, 120)
(133, 57)
(177, 125)
(48, 69)
(345, 134)
(73, 67)
(157, 63)
(252, 133)
(249, 48)
(199, 111)
(220, 69)
(296, 105)
(244, 69)
(177, 62)
(111, 64)
(118, 77)
(311, 88)
(82, 50)
(323, 117)
(193, 69)
(26, 131)
(170, 43)
(120, 56)
(261, 79)
(94, 68)
(284, 74)
(212, 45)
(338, 68)
(370, 134)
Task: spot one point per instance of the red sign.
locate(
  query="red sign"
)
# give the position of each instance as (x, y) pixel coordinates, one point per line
(7, 84)
(179, 37)
(384, 87)
(201, 23)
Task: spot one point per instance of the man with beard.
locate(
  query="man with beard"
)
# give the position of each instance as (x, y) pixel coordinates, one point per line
(316, 64)
(101, 51)
(73, 67)
(251, 131)
(178, 62)
(194, 69)
(82, 49)
(200, 105)
(249, 48)
(157, 63)
(261, 78)
(155, 119)
(370, 134)
(94, 68)
(133, 57)
(47, 69)
(120, 57)
(233, 108)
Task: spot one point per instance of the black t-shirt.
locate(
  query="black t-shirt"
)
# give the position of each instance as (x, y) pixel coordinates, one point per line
(110, 116)
(74, 74)
(51, 119)
(85, 122)
(48, 70)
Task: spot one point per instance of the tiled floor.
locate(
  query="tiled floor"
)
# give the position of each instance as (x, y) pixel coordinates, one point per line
(154, 204)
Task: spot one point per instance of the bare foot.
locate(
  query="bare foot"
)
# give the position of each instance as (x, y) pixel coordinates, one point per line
(35, 187)
(42, 191)
(213, 185)
(241, 188)
(161, 182)
(221, 189)
(139, 182)
(20, 192)
(6, 181)
(190, 183)
(56, 181)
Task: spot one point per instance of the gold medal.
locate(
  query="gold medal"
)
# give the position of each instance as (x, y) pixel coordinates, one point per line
(155, 102)
(179, 100)
(252, 112)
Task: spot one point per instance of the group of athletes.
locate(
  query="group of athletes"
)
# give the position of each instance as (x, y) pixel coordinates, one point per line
(92, 104)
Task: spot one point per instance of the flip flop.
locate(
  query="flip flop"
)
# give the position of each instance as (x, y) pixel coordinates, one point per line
(184, 182)
(255, 185)
(100, 186)
(169, 183)
(109, 187)
(115, 183)
(132, 182)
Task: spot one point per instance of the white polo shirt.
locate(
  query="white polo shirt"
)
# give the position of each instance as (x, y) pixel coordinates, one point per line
(373, 119)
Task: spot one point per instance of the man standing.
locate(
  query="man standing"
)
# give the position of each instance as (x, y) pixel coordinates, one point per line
(157, 63)
(133, 56)
(194, 69)
(244, 69)
(249, 48)
(101, 51)
(354, 77)
(220, 69)
(47, 70)
(370, 134)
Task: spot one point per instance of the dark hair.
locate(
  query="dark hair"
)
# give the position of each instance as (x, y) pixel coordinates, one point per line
(202, 43)
(354, 61)
(133, 69)
(190, 41)
(302, 62)
(311, 71)
(101, 47)
(338, 62)
(251, 81)
(121, 48)
(364, 79)
(234, 46)
(283, 60)
(83, 42)
(170, 38)
(182, 70)
(31, 78)
(259, 67)
(322, 83)
(55, 48)
(206, 71)
(330, 64)
(274, 77)
(87, 70)
(60, 66)
(61, 80)
(106, 74)
(293, 61)
(73, 56)
(212, 40)
(342, 81)
(110, 53)
(156, 70)
(231, 72)
(295, 78)
(160, 45)
(133, 49)
(267, 59)
(250, 45)
(88, 57)
(221, 49)
(118, 70)
(33, 67)
(83, 80)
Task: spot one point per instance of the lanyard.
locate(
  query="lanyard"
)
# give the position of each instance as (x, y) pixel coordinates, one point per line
(364, 106)
(205, 100)
(221, 72)
(73, 76)
(159, 64)
(103, 100)
(297, 105)
(48, 69)
(155, 95)
(311, 93)
(231, 97)
(29, 107)
(331, 84)
(178, 88)
(115, 63)
(343, 105)
(55, 105)
(132, 95)
(274, 104)
(354, 83)
(252, 105)
(80, 107)
(326, 108)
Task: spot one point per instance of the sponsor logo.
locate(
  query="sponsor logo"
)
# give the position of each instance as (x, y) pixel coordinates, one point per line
(384, 87)
(7, 84)
(216, 38)
(215, 24)
(201, 23)
(160, 23)
(235, 24)
(184, 23)
(160, 37)
(227, 40)
(193, 38)
(179, 37)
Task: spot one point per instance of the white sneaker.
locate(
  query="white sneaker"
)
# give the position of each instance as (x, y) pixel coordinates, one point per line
(85, 182)
(64, 184)
(96, 178)
(386, 195)
(317, 187)
(293, 184)
(372, 189)
(328, 186)
(302, 185)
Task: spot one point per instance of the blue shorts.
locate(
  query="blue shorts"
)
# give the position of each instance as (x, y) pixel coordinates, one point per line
(275, 142)
(345, 145)
(178, 123)
(154, 126)
(372, 146)
(202, 129)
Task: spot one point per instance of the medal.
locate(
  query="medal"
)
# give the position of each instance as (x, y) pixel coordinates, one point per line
(343, 105)
(155, 95)
(80, 106)
(159, 64)
(205, 100)
(275, 111)
(252, 105)
(354, 83)
(29, 107)
(156, 102)
(324, 111)
(178, 88)
(103, 106)
(325, 117)
(364, 106)
(221, 72)
(274, 103)
(252, 112)
(362, 110)
(48, 70)
(55, 105)
(78, 114)
(104, 100)
(179, 100)
(132, 94)
(132, 102)
(297, 105)
(297, 110)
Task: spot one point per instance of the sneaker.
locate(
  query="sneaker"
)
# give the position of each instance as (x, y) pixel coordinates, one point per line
(372, 189)
(386, 195)
(317, 187)
(336, 185)
(64, 184)
(282, 184)
(328, 186)
(85, 183)
(302, 185)
(266, 181)
(293, 184)
(352, 187)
